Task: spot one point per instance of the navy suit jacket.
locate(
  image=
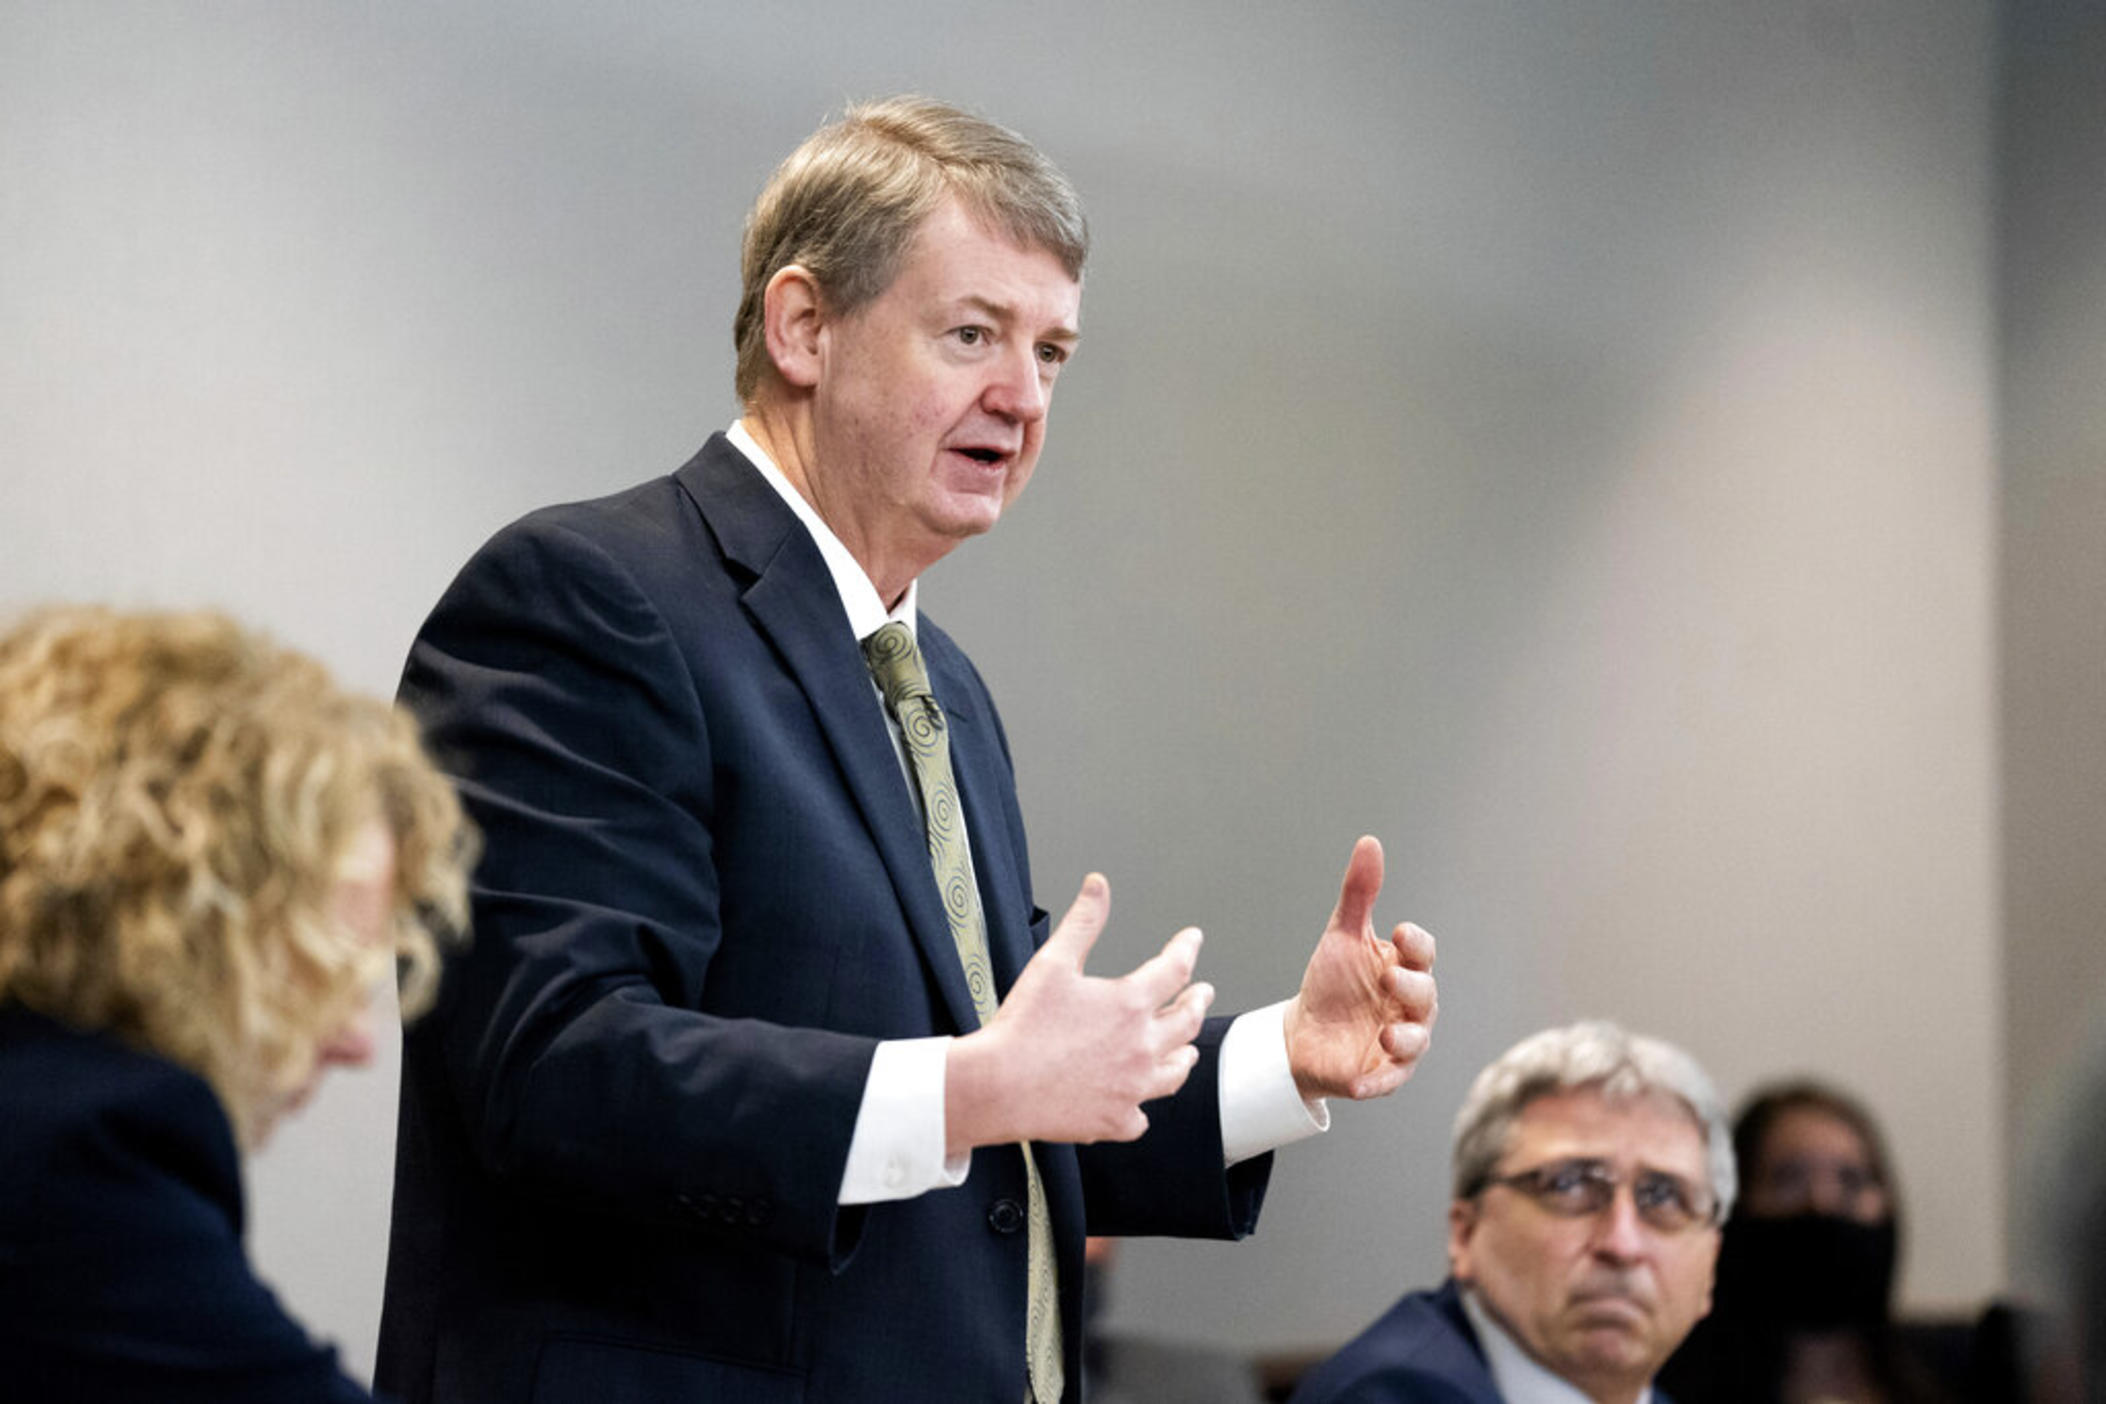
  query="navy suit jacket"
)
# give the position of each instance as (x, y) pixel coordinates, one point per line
(1420, 1351)
(705, 899)
(122, 1274)
(1423, 1350)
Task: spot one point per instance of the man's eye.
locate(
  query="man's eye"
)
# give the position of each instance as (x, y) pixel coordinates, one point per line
(972, 336)
(1052, 355)
(1658, 1192)
(1567, 1181)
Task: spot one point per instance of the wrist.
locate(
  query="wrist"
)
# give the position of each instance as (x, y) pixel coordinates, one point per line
(975, 1107)
(1290, 1035)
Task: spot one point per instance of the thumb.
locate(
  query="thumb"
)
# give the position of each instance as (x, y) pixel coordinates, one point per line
(1083, 923)
(1363, 883)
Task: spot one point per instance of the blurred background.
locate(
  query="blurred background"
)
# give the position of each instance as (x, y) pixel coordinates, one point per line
(1645, 461)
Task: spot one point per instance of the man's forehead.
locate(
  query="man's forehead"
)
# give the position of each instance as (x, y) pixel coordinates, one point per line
(1655, 1129)
(973, 263)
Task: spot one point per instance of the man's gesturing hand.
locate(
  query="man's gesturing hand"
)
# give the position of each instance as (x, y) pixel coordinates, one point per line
(1069, 1056)
(1366, 1007)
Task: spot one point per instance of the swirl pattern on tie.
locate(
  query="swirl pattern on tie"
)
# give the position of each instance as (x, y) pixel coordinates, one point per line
(896, 665)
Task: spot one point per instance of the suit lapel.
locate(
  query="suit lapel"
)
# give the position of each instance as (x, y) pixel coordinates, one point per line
(793, 601)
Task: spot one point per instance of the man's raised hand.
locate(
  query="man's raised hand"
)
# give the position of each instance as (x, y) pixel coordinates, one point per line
(1364, 1015)
(1071, 1056)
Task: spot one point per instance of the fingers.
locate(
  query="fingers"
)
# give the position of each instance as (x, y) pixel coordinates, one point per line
(1363, 883)
(1414, 946)
(1406, 1042)
(1177, 1023)
(1080, 926)
(1379, 1083)
(1131, 1127)
(1180, 1068)
(1161, 977)
(1176, 1066)
(1166, 1056)
(1414, 992)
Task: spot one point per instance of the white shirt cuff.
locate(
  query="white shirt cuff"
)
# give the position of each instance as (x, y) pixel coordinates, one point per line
(897, 1149)
(1260, 1108)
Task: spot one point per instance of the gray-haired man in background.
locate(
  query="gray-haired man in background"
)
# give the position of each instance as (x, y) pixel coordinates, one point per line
(1592, 1168)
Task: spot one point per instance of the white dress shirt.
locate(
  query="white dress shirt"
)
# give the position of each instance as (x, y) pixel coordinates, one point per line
(897, 1151)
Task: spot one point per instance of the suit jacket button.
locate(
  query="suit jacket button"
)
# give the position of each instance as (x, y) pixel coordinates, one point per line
(1007, 1216)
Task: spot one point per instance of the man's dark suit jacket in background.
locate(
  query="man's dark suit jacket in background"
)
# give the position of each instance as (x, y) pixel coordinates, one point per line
(706, 897)
(1423, 1350)
(1420, 1351)
(122, 1272)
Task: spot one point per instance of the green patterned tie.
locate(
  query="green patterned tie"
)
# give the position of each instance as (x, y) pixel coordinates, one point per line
(895, 662)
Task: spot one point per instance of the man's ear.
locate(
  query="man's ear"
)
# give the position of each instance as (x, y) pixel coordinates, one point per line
(1462, 1221)
(792, 318)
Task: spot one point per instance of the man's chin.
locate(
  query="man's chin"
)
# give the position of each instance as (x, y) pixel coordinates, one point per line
(969, 514)
(1612, 1344)
(1613, 1331)
(970, 503)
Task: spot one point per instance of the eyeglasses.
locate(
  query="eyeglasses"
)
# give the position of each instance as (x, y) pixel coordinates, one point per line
(1574, 1189)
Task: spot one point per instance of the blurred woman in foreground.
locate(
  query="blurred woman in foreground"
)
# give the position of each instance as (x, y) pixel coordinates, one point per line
(210, 856)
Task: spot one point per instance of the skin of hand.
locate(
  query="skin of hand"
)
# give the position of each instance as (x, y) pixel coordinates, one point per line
(1364, 1015)
(1070, 1056)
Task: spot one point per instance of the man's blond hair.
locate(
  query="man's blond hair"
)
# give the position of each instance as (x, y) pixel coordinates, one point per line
(178, 801)
(846, 204)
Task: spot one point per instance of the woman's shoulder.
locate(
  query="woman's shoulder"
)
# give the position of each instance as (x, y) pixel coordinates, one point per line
(94, 1120)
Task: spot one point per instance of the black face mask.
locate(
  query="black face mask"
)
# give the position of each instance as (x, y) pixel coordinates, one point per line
(1809, 1271)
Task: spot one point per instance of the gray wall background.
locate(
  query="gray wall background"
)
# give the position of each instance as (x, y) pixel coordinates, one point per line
(1558, 437)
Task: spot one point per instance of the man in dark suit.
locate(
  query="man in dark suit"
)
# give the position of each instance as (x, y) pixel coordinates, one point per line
(752, 1086)
(1592, 1169)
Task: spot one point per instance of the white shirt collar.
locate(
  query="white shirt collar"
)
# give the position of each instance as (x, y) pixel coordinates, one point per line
(1520, 1377)
(866, 610)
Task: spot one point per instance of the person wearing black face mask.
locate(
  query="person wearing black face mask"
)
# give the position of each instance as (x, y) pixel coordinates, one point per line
(1814, 1271)
(1806, 1267)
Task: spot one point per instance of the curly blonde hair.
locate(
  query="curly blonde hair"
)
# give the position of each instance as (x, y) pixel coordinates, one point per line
(179, 798)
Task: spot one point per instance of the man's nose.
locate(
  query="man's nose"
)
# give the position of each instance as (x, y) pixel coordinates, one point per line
(1018, 392)
(1619, 1234)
